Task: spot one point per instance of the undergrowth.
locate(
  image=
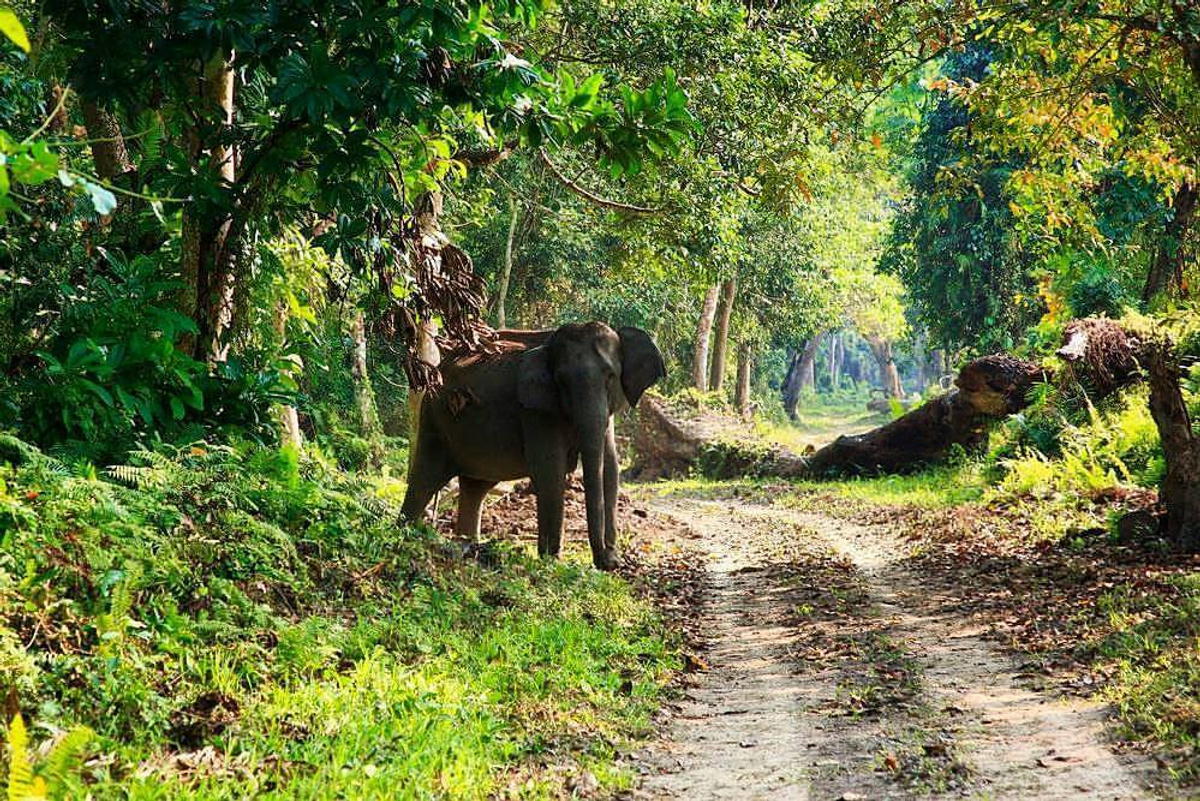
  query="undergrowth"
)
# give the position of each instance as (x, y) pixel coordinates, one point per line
(236, 622)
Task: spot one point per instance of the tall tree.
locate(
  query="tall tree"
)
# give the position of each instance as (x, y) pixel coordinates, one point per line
(720, 346)
(708, 312)
(267, 114)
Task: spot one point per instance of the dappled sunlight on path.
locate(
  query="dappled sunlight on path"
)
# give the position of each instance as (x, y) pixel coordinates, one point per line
(835, 673)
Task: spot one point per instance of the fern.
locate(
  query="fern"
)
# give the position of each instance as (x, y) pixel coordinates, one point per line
(21, 784)
(57, 777)
(123, 592)
(134, 476)
(61, 769)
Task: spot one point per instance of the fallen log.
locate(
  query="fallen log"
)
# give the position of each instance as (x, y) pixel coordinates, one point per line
(1100, 354)
(986, 390)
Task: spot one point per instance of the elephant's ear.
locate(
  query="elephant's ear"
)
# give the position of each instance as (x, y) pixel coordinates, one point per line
(641, 363)
(535, 383)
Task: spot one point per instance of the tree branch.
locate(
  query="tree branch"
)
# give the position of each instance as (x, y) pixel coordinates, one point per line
(592, 197)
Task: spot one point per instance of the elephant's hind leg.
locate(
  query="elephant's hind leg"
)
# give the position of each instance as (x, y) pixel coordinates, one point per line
(471, 492)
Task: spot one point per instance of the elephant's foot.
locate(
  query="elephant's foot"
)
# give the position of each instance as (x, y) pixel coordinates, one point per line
(606, 559)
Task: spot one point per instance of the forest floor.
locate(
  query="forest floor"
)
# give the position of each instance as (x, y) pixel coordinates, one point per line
(835, 669)
(908, 636)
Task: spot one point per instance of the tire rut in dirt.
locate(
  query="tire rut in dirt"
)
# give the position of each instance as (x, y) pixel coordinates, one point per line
(836, 674)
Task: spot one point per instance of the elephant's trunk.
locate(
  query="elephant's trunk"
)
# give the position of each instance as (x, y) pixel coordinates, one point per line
(591, 453)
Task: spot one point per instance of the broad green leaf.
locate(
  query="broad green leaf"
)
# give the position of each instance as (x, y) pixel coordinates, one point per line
(11, 27)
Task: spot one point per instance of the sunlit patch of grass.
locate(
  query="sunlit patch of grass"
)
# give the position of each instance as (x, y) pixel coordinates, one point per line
(700, 487)
(240, 625)
(819, 423)
(1153, 656)
(941, 486)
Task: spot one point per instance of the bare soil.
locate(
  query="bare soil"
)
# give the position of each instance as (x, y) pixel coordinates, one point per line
(835, 670)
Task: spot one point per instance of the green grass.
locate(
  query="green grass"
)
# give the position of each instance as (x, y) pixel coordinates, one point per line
(946, 485)
(235, 624)
(935, 487)
(818, 422)
(1153, 655)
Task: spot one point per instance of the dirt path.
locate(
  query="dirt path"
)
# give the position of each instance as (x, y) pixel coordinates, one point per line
(833, 673)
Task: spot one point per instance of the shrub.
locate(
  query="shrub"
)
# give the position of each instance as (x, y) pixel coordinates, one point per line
(1097, 293)
(114, 374)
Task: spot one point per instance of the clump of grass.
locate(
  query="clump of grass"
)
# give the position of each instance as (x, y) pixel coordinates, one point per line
(887, 675)
(1152, 652)
(236, 622)
(721, 459)
(962, 481)
(926, 761)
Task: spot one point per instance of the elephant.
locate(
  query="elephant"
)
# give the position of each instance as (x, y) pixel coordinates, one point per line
(535, 408)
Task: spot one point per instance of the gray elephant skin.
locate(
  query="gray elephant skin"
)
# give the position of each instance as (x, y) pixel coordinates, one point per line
(535, 409)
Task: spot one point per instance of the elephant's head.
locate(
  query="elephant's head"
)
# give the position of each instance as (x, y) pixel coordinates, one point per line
(589, 370)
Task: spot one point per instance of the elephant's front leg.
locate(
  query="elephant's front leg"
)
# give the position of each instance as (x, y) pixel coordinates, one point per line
(550, 491)
(612, 474)
(546, 455)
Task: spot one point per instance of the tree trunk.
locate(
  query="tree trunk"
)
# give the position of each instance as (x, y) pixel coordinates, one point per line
(939, 362)
(108, 145)
(424, 356)
(920, 358)
(808, 362)
(741, 397)
(1166, 271)
(703, 329)
(836, 353)
(790, 391)
(1180, 490)
(506, 273)
(1106, 357)
(889, 376)
(364, 396)
(57, 124)
(716, 376)
(851, 366)
(209, 253)
(289, 421)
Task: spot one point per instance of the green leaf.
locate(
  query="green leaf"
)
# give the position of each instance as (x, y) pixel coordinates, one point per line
(36, 165)
(11, 27)
(127, 400)
(97, 390)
